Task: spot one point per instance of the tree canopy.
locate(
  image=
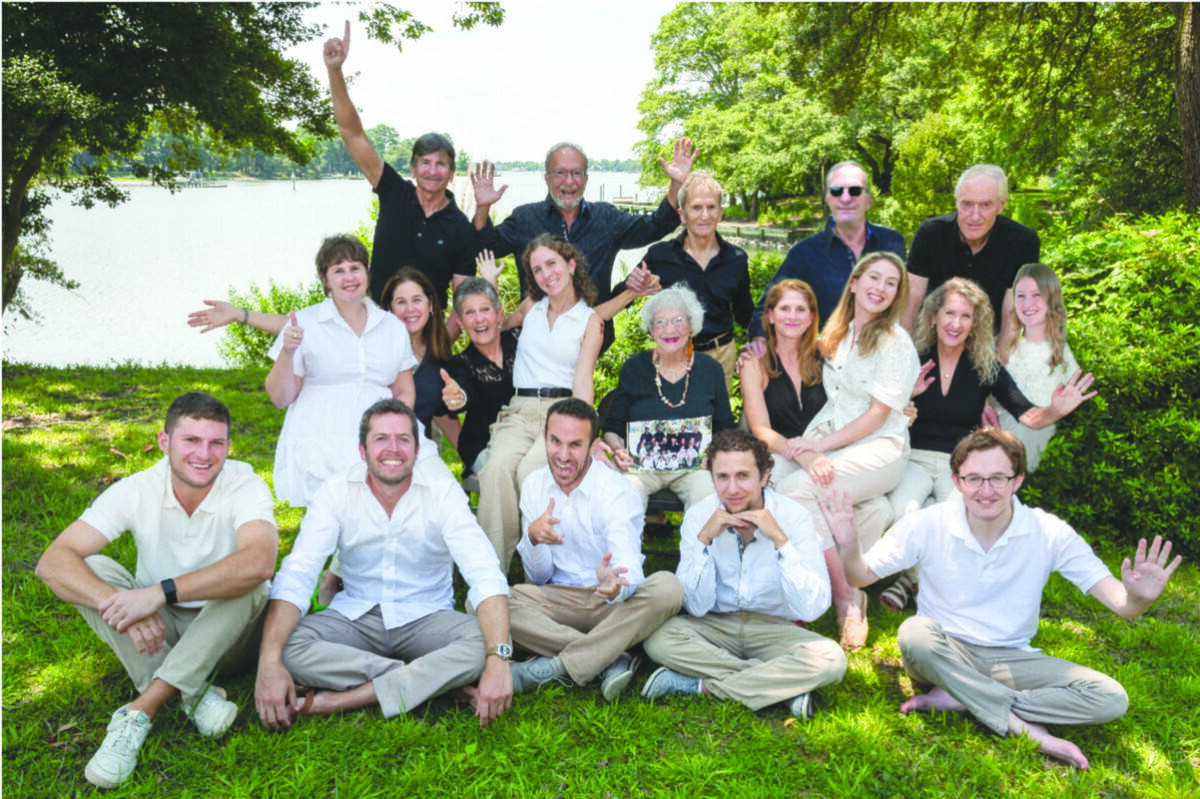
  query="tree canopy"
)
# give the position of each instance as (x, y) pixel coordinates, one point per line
(95, 76)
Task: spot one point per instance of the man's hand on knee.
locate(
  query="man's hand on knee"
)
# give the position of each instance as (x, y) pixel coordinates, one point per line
(275, 695)
(148, 634)
(126, 607)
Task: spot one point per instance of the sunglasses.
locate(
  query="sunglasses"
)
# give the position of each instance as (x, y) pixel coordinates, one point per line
(836, 191)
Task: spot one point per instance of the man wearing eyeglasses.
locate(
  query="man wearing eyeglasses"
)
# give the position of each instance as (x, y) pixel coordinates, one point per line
(983, 560)
(598, 229)
(825, 259)
(975, 241)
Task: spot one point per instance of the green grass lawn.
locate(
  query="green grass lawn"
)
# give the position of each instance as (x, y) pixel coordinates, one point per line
(70, 432)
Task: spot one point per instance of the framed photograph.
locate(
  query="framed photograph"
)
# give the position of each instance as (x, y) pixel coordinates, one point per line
(669, 445)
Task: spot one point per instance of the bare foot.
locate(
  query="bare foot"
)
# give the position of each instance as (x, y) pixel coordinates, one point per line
(1057, 748)
(324, 703)
(937, 699)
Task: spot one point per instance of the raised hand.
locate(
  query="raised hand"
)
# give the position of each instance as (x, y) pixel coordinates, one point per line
(295, 334)
(336, 49)
(681, 162)
(609, 578)
(541, 530)
(452, 396)
(483, 181)
(924, 380)
(1146, 577)
(1071, 394)
(839, 513)
(643, 282)
(218, 314)
(485, 265)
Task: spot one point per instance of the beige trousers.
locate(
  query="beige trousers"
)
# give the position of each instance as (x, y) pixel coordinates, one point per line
(585, 631)
(992, 681)
(408, 664)
(726, 355)
(749, 657)
(690, 487)
(871, 516)
(926, 480)
(223, 636)
(515, 449)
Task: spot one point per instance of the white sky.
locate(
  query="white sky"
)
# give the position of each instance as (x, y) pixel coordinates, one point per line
(553, 71)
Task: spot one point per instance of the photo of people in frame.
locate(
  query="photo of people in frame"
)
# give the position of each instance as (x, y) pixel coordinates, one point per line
(669, 445)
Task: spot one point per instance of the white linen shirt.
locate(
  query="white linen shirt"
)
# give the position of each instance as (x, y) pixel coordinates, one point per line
(852, 380)
(987, 598)
(404, 563)
(602, 514)
(546, 358)
(169, 542)
(791, 582)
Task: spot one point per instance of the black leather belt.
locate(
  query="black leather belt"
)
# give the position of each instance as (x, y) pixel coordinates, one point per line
(544, 393)
(719, 340)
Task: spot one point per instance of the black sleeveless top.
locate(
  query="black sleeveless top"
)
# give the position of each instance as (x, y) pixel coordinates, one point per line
(790, 413)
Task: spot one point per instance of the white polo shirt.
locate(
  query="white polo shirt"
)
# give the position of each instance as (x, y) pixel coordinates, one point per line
(988, 598)
(169, 542)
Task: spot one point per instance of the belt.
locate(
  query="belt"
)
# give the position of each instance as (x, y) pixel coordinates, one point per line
(719, 340)
(544, 393)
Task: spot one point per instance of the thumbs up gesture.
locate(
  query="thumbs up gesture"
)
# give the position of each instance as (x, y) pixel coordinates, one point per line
(452, 396)
(294, 335)
(542, 531)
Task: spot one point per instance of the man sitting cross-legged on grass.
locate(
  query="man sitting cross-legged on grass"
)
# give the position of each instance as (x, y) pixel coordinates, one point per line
(581, 548)
(751, 564)
(983, 559)
(391, 637)
(206, 541)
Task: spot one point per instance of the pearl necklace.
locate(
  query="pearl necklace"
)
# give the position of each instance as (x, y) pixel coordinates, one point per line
(687, 376)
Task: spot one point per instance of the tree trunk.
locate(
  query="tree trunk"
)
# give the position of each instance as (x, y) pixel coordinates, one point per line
(1187, 98)
(14, 210)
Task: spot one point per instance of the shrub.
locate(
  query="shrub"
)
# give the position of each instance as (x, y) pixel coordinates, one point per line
(1125, 466)
(243, 346)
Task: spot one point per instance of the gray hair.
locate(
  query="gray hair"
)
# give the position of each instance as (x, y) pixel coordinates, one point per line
(695, 180)
(678, 296)
(856, 165)
(565, 145)
(472, 286)
(991, 171)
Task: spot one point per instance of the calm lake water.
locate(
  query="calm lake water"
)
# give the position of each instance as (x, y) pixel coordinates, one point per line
(143, 265)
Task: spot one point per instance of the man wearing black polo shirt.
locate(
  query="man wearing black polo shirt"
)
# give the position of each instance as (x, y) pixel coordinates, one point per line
(419, 224)
(975, 242)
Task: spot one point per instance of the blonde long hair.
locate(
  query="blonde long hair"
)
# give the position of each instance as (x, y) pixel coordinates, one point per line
(980, 341)
(1056, 313)
(873, 331)
(810, 364)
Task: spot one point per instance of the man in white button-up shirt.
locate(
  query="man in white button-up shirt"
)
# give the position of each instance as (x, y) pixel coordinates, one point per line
(206, 541)
(587, 600)
(983, 559)
(751, 565)
(391, 637)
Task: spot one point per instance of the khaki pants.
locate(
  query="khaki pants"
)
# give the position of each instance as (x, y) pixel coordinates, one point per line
(926, 480)
(871, 516)
(408, 664)
(726, 355)
(992, 681)
(865, 470)
(585, 631)
(515, 450)
(749, 657)
(223, 636)
(690, 487)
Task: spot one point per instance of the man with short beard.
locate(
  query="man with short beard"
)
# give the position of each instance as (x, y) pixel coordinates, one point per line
(391, 637)
(205, 533)
(587, 601)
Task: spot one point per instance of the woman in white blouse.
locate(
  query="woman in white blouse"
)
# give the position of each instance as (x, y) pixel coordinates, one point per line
(332, 361)
(858, 442)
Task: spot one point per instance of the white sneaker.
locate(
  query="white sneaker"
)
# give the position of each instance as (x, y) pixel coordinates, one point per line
(213, 714)
(114, 760)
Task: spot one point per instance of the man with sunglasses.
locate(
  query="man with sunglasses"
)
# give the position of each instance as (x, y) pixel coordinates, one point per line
(825, 259)
(983, 560)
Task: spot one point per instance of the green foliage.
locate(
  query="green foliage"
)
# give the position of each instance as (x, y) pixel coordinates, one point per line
(1124, 466)
(243, 346)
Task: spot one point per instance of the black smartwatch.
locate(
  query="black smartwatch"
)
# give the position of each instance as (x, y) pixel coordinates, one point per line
(168, 589)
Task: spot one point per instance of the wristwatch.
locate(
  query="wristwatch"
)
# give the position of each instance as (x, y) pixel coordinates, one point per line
(502, 651)
(168, 589)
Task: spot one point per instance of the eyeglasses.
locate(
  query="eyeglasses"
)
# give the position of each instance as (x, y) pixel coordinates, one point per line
(659, 324)
(836, 191)
(563, 174)
(996, 481)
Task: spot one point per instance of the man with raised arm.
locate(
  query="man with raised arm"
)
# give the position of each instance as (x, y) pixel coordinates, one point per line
(976, 242)
(751, 565)
(983, 559)
(391, 637)
(825, 259)
(598, 229)
(587, 601)
(205, 533)
(419, 223)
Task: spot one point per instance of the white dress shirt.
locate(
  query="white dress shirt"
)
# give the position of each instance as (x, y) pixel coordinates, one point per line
(790, 582)
(602, 514)
(987, 598)
(404, 563)
(169, 542)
